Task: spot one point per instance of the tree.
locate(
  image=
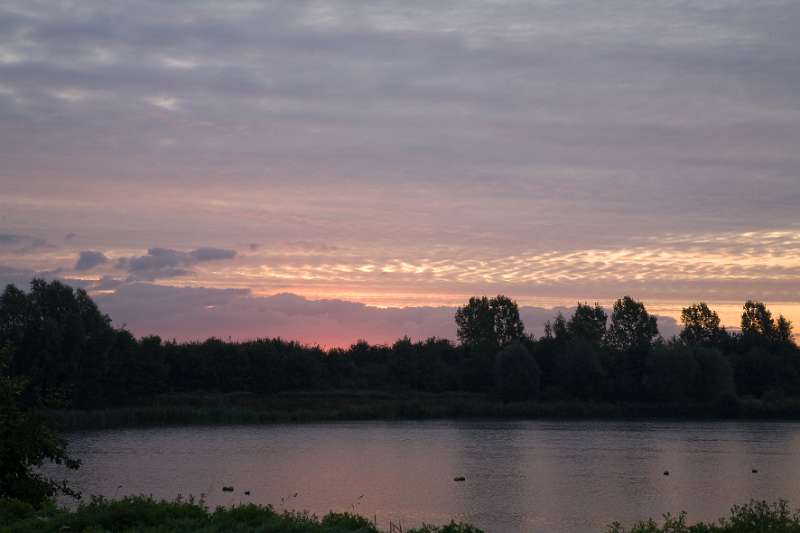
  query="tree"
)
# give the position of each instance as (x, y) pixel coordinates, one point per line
(783, 329)
(489, 323)
(62, 340)
(26, 442)
(588, 323)
(670, 372)
(714, 378)
(757, 321)
(516, 374)
(508, 326)
(700, 325)
(579, 373)
(632, 327)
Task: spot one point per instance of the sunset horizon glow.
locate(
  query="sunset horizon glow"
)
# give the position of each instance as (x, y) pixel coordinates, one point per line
(328, 172)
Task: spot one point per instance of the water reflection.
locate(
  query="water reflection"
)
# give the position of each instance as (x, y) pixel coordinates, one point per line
(521, 475)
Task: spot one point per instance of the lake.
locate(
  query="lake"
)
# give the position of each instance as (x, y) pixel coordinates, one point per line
(571, 476)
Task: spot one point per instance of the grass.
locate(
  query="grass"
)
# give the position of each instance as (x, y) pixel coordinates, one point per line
(243, 408)
(142, 514)
(754, 517)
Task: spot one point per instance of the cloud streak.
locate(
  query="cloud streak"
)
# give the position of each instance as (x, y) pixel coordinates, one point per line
(89, 259)
(167, 263)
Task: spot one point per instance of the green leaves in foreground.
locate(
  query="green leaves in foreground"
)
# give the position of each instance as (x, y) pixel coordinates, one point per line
(144, 515)
(753, 517)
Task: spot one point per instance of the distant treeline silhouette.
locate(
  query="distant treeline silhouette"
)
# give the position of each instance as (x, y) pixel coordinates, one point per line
(69, 352)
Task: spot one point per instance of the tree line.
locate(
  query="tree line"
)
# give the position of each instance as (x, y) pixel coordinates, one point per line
(69, 354)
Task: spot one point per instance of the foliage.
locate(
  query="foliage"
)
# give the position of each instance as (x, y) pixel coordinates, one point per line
(491, 323)
(142, 514)
(26, 442)
(516, 374)
(588, 323)
(756, 516)
(66, 348)
(632, 327)
(701, 325)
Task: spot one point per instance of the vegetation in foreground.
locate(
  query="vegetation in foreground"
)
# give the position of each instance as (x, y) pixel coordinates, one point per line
(143, 515)
(753, 517)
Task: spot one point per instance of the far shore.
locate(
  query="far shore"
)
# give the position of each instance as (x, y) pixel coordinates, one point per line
(316, 406)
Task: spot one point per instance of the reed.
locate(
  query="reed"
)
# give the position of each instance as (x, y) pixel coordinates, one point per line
(143, 514)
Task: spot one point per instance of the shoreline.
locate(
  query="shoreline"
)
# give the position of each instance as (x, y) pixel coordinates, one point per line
(247, 409)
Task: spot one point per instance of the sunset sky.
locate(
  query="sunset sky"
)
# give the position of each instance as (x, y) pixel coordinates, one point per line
(329, 171)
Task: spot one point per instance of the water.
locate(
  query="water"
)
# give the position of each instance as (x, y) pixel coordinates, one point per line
(520, 475)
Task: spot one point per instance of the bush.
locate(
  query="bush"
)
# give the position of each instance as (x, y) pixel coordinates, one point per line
(753, 517)
(516, 374)
(143, 514)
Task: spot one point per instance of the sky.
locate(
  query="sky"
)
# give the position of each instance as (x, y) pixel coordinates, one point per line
(329, 170)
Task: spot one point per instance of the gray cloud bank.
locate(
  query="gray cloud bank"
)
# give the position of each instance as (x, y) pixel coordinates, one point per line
(89, 259)
(161, 263)
(635, 111)
(198, 313)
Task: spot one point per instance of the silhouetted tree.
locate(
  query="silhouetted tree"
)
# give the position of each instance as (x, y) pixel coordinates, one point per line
(757, 371)
(66, 348)
(516, 374)
(26, 442)
(632, 328)
(490, 323)
(701, 325)
(579, 373)
(714, 376)
(757, 320)
(670, 373)
(588, 323)
(783, 329)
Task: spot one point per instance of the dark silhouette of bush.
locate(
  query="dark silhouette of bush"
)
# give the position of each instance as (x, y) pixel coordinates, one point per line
(516, 374)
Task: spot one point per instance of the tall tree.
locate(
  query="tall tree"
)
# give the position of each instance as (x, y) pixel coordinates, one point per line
(783, 329)
(26, 442)
(508, 326)
(757, 320)
(700, 325)
(588, 323)
(489, 323)
(632, 327)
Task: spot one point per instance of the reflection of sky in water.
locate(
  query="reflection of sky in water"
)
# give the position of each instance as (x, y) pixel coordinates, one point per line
(521, 476)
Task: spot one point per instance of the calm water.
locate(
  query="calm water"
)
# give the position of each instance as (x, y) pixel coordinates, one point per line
(521, 476)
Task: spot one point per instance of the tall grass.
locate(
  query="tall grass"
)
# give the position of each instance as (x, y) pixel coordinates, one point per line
(753, 517)
(142, 514)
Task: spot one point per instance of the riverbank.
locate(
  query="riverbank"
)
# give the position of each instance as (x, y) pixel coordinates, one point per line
(244, 408)
(144, 515)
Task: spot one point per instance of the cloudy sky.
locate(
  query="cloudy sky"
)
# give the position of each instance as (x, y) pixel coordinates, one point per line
(334, 170)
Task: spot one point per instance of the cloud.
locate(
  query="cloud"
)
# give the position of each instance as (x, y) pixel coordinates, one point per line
(211, 254)
(447, 148)
(161, 263)
(89, 259)
(19, 277)
(196, 313)
(21, 244)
